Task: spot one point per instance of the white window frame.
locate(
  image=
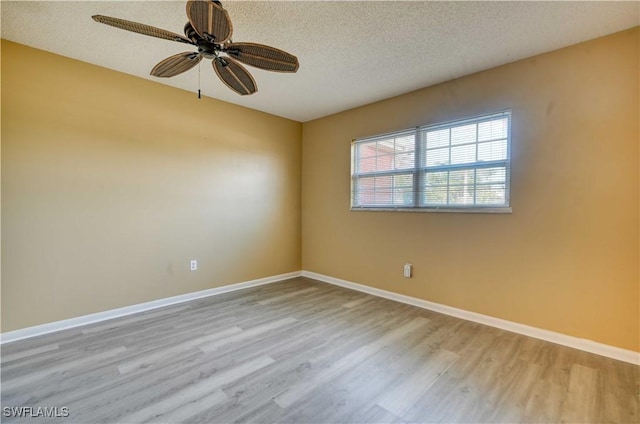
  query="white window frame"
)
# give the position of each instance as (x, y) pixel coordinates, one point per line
(419, 170)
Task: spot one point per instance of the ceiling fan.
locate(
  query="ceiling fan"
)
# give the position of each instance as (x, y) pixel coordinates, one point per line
(209, 28)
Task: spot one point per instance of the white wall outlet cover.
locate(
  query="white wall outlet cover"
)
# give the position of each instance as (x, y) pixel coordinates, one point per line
(408, 268)
(193, 265)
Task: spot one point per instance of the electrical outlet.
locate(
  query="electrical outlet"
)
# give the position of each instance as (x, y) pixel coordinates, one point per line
(193, 265)
(408, 268)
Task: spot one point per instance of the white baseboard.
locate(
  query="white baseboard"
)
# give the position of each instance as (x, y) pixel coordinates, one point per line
(538, 333)
(38, 330)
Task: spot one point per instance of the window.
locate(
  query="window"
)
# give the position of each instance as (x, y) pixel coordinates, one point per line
(462, 165)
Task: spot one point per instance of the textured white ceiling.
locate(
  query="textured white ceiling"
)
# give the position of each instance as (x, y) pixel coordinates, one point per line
(351, 52)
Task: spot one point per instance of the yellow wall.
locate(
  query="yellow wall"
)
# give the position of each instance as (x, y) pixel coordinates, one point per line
(566, 259)
(111, 184)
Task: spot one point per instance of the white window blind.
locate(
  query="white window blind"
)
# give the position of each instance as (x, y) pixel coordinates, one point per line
(460, 165)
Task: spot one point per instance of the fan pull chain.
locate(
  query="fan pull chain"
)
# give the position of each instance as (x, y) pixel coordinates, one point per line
(199, 96)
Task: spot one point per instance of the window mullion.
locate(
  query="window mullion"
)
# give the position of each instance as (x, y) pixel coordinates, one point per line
(475, 186)
(449, 173)
(475, 171)
(507, 165)
(418, 165)
(463, 166)
(355, 169)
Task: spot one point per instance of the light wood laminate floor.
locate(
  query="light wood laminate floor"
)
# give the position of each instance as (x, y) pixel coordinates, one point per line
(301, 351)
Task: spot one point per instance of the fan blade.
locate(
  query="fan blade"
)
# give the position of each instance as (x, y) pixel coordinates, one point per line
(263, 57)
(141, 28)
(176, 64)
(209, 20)
(234, 75)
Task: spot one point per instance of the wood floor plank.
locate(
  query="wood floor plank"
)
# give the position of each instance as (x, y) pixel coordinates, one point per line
(144, 317)
(581, 405)
(187, 412)
(356, 302)
(286, 296)
(376, 414)
(197, 391)
(402, 397)
(301, 351)
(148, 359)
(246, 334)
(9, 385)
(9, 357)
(301, 390)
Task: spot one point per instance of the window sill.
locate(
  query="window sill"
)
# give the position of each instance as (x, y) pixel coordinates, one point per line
(437, 210)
